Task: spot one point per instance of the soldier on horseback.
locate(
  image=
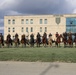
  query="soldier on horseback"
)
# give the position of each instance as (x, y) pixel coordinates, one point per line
(70, 40)
(44, 39)
(65, 38)
(32, 40)
(38, 39)
(16, 40)
(1, 40)
(50, 40)
(75, 39)
(8, 40)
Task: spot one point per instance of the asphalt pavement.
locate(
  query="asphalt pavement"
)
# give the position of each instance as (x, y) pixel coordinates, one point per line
(37, 68)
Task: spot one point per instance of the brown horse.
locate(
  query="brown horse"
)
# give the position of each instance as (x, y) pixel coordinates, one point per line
(1, 40)
(70, 40)
(75, 39)
(44, 39)
(64, 40)
(38, 40)
(8, 40)
(16, 40)
(50, 41)
(23, 40)
(32, 40)
(58, 39)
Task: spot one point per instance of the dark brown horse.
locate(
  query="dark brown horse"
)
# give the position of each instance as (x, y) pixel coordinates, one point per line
(8, 40)
(44, 39)
(38, 39)
(23, 40)
(75, 39)
(32, 40)
(65, 41)
(58, 40)
(16, 40)
(1, 40)
(70, 40)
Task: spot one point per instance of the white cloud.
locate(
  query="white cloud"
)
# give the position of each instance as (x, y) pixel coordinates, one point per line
(1, 20)
(72, 3)
(5, 4)
(12, 13)
(74, 11)
(1, 28)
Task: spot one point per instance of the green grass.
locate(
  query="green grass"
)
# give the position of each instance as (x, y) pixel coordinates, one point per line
(38, 54)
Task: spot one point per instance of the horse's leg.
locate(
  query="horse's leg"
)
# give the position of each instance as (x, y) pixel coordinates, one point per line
(75, 44)
(56, 43)
(0, 45)
(59, 44)
(64, 45)
(25, 44)
(16, 44)
(37, 44)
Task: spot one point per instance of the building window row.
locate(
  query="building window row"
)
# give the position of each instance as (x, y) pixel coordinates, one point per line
(9, 29)
(42, 21)
(13, 21)
(41, 29)
(27, 21)
(31, 29)
(27, 30)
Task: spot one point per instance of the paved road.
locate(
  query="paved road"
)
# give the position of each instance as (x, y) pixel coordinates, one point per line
(37, 68)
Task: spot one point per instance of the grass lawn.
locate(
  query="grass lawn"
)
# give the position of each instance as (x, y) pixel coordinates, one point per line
(38, 54)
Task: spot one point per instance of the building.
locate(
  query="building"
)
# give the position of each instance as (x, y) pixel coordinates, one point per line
(39, 23)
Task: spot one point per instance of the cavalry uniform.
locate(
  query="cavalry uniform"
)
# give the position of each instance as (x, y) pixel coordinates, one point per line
(50, 39)
(16, 35)
(1, 39)
(38, 37)
(32, 40)
(57, 38)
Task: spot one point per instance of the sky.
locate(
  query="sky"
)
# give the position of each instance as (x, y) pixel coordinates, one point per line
(35, 7)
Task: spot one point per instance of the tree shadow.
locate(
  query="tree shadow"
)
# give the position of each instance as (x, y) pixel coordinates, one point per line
(49, 67)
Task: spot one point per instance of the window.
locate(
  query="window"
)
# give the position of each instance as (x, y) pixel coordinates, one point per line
(27, 21)
(40, 21)
(45, 21)
(13, 29)
(31, 21)
(26, 29)
(9, 21)
(45, 29)
(31, 29)
(8, 29)
(40, 29)
(22, 21)
(22, 30)
(13, 21)
(71, 24)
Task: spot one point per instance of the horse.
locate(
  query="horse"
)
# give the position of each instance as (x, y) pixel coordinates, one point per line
(23, 40)
(64, 40)
(44, 39)
(58, 39)
(70, 40)
(8, 41)
(32, 40)
(38, 40)
(75, 39)
(16, 40)
(50, 41)
(1, 40)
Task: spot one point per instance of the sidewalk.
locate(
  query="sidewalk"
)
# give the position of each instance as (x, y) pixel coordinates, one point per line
(37, 68)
